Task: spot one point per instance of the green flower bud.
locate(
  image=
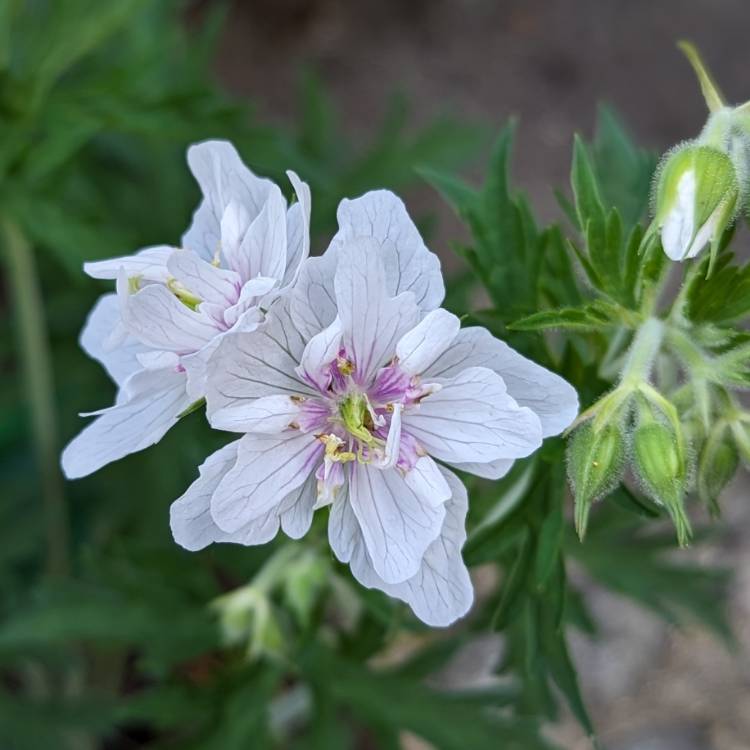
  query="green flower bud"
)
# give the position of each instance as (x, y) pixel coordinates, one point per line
(304, 581)
(717, 465)
(698, 194)
(596, 460)
(660, 464)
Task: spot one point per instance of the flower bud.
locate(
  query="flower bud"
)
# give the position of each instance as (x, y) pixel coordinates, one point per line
(697, 196)
(660, 464)
(596, 460)
(717, 465)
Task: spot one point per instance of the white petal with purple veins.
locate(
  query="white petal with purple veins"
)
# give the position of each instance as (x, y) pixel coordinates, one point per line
(396, 523)
(268, 468)
(212, 284)
(421, 346)
(268, 415)
(154, 399)
(149, 264)
(472, 418)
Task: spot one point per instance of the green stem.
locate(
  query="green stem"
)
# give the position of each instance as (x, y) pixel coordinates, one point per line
(643, 351)
(37, 370)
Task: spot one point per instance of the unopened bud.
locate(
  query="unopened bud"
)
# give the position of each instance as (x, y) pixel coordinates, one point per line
(697, 196)
(660, 464)
(595, 465)
(717, 465)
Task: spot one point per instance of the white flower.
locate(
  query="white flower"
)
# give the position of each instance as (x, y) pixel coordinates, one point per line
(174, 305)
(349, 395)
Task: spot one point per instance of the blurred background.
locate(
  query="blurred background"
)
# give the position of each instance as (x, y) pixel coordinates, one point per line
(352, 95)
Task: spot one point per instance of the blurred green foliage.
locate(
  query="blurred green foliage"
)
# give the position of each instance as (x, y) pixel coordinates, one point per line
(117, 645)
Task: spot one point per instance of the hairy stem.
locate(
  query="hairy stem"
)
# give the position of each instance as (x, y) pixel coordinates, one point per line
(37, 372)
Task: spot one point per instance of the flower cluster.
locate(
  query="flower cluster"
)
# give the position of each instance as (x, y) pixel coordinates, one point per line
(351, 388)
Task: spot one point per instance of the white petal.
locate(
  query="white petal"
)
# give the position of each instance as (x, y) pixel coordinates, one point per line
(706, 233)
(472, 418)
(217, 285)
(157, 318)
(156, 360)
(296, 509)
(344, 533)
(223, 178)
(260, 363)
(372, 322)
(678, 228)
(189, 516)
(313, 304)
(426, 480)
(550, 397)
(410, 266)
(120, 361)
(149, 264)
(250, 295)
(441, 591)
(321, 350)
(393, 442)
(154, 400)
(491, 470)
(268, 468)
(268, 415)
(297, 229)
(263, 248)
(397, 525)
(421, 346)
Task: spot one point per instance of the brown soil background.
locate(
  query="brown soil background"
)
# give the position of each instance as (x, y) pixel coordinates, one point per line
(550, 63)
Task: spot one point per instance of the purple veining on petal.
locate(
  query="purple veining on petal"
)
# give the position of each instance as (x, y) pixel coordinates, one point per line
(390, 384)
(314, 414)
(409, 452)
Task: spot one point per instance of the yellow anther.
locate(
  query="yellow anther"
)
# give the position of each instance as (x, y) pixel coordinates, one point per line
(345, 366)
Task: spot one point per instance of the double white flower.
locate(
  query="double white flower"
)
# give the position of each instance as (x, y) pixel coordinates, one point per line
(173, 306)
(354, 393)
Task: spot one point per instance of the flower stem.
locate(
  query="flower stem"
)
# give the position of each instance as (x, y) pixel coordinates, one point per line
(37, 370)
(643, 351)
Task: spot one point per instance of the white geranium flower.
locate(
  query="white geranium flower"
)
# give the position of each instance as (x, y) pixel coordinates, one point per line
(173, 305)
(354, 394)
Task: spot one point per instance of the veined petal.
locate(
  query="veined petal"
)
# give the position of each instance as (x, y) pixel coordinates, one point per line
(212, 284)
(260, 363)
(263, 248)
(313, 301)
(157, 318)
(297, 228)
(193, 526)
(372, 322)
(321, 350)
(268, 415)
(490, 470)
(250, 295)
(223, 178)
(410, 266)
(441, 591)
(120, 361)
(154, 400)
(550, 397)
(421, 346)
(268, 468)
(397, 525)
(426, 480)
(472, 418)
(156, 360)
(149, 264)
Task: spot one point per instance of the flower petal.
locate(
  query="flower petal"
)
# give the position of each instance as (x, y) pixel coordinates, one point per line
(263, 248)
(410, 266)
(120, 361)
(678, 230)
(297, 229)
(491, 470)
(158, 319)
(421, 346)
(193, 526)
(426, 480)
(441, 591)
(397, 525)
(372, 322)
(223, 178)
(321, 350)
(268, 415)
(260, 363)
(268, 468)
(153, 400)
(472, 418)
(216, 285)
(550, 397)
(313, 303)
(149, 264)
